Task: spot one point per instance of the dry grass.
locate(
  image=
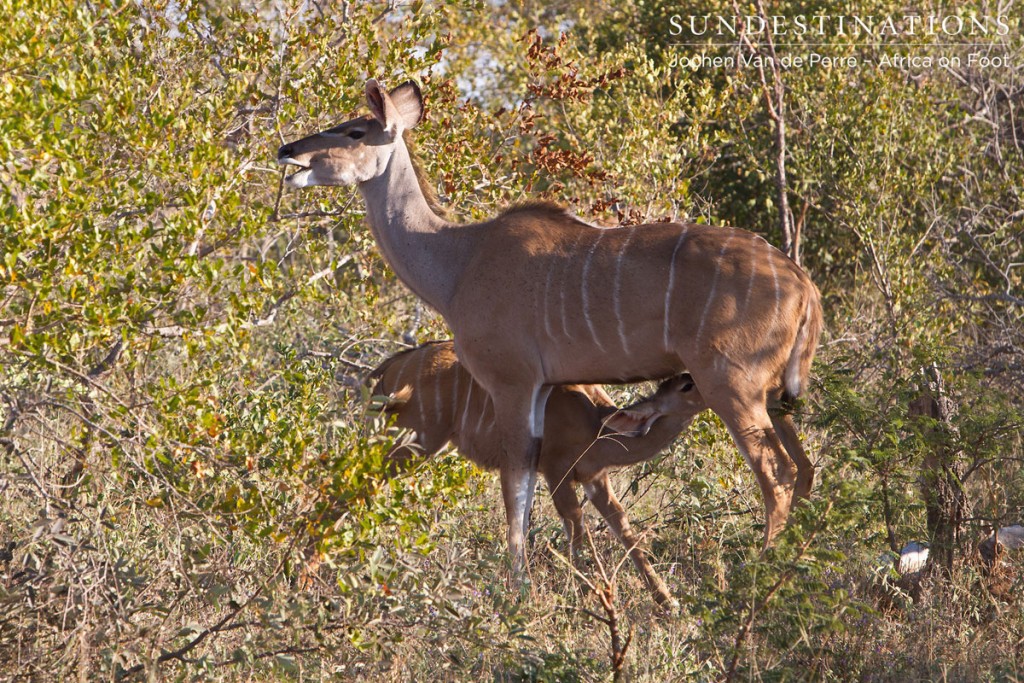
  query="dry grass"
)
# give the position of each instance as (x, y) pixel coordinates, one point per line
(119, 585)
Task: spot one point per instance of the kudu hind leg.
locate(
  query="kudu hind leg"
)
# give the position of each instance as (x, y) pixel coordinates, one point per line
(600, 493)
(751, 428)
(786, 430)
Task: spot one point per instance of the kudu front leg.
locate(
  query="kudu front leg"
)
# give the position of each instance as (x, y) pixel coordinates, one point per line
(518, 481)
(600, 493)
(520, 426)
(786, 430)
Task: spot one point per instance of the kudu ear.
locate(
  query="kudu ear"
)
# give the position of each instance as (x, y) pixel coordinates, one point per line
(397, 110)
(375, 99)
(399, 398)
(631, 423)
(408, 101)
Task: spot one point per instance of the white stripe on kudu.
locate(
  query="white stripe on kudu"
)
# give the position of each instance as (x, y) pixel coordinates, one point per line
(584, 281)
(469, 401)
(483, 411)
(437, 402)
(750, 282)
(547, 301)
(672, 281)
(711, 293)
(617, 291)
(775, 279)
(423, 399)
(568, 265)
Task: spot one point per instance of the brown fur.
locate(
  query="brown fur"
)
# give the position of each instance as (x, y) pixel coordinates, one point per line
(539, 210)
(423, 180)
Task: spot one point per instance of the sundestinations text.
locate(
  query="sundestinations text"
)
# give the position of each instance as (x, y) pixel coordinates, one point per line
(839, 25)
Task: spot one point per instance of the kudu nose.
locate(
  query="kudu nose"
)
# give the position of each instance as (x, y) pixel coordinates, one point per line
(285, 151)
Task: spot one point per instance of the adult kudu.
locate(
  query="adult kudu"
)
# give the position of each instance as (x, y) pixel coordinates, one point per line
(585, 435)
(537, 297)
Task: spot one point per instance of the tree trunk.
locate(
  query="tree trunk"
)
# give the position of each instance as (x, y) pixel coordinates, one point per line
(942, 473)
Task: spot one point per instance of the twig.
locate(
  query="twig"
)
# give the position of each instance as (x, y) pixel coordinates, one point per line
(203, 252)
(606, 596)
(307, 214)
(775, 103)
(12, 448)
(277, 202)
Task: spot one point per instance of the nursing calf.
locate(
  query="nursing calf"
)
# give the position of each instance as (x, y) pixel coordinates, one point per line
(585, 435)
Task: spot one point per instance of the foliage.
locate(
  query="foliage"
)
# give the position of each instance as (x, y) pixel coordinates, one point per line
(191, 482)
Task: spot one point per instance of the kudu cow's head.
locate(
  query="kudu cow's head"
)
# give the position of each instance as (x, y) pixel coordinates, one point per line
(358, 150)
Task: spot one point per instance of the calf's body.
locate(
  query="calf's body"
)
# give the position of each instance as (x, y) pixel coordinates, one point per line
(585, 435)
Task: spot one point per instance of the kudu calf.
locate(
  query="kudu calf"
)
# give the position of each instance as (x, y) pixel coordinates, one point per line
(585, 434)
(536, 297)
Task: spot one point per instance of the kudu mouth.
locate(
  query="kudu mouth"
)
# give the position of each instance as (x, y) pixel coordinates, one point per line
(297, 178)
(286, 157)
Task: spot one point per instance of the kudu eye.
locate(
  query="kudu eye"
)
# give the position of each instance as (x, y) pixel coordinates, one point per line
(356, 134)
(685, 387)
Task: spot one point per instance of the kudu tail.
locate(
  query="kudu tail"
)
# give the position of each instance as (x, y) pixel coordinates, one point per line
(802, 355)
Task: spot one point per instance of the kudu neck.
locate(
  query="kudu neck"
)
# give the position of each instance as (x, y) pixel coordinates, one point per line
(665, 430)
(417, 243)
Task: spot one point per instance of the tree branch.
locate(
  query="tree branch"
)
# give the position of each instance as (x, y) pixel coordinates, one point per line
(775, 104)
